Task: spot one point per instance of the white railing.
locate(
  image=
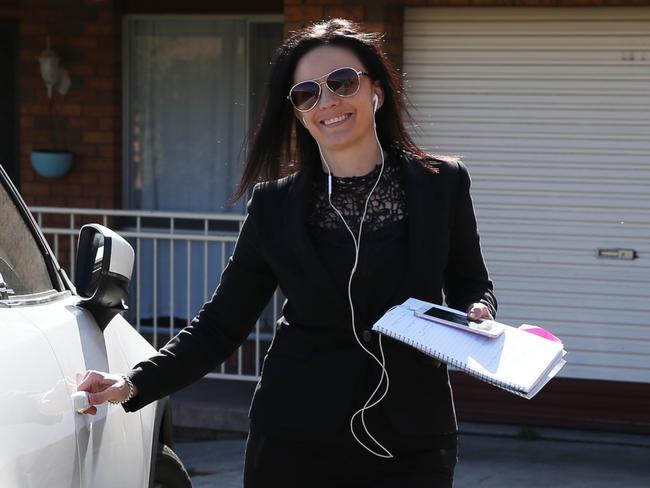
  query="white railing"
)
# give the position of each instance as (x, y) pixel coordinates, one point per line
(179, 259)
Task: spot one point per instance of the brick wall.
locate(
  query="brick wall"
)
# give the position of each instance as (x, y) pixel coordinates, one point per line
(377, 16)
(85, 34)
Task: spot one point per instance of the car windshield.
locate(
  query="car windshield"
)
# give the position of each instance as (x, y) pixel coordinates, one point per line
(22, 267)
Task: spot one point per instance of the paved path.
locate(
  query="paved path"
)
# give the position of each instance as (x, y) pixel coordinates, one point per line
(490, 457)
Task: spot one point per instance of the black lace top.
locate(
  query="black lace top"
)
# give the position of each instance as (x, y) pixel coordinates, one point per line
(387, 203)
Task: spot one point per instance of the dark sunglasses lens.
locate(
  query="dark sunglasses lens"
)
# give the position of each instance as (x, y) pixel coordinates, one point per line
(304, 95)
(344, 82)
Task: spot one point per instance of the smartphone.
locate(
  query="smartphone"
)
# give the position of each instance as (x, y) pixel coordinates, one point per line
(455, 318)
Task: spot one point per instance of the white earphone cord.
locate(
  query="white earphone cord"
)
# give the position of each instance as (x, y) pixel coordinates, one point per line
(357, 246)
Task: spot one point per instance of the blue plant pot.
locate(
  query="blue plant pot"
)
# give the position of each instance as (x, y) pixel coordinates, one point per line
(51, 164)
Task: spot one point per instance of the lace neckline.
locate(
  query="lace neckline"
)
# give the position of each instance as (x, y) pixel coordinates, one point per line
(354, 181)
(387, 204)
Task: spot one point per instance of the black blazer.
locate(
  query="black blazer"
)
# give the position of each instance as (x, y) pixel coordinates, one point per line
(315, 375)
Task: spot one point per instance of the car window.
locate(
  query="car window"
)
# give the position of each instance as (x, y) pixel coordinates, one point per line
(22, 264)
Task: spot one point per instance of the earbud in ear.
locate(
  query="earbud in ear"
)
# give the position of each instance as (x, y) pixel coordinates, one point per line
(375, 101)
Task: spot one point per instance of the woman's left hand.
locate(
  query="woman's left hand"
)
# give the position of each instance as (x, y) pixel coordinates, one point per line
(478, 312)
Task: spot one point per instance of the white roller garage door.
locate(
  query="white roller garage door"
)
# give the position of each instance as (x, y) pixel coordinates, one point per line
(550, 110)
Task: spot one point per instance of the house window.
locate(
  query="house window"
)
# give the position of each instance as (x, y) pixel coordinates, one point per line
(192, 87)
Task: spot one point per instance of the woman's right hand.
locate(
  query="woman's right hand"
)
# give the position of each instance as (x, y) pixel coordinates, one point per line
(103, 387)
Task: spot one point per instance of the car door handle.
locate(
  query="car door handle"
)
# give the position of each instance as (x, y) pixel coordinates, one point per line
(80, 401)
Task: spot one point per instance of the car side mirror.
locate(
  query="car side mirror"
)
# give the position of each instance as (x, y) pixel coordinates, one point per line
(103, 272)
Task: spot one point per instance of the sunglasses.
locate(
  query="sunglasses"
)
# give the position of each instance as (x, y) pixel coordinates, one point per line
(343, 82)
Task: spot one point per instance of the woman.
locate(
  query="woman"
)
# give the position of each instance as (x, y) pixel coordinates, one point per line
(367, 221)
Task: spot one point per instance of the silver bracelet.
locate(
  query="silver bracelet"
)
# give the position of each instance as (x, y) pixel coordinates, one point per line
(131, 390)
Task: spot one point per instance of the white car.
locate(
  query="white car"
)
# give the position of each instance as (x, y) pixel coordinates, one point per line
(50, 333)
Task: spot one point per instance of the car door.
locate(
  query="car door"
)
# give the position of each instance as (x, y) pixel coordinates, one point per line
(38, 445)
(110, 443)
(110, 448)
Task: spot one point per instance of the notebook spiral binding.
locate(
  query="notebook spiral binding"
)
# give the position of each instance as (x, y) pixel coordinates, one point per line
(506, 385)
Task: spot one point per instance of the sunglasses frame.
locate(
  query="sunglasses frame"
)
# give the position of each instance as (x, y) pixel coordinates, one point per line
(324, 82)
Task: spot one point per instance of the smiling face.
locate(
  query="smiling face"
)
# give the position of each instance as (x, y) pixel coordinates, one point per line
(337, 122)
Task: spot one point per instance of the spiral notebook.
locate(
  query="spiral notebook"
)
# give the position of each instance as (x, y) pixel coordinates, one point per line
(517, 361)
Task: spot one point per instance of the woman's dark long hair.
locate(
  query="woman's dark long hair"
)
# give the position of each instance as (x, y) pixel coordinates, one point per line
(275, 147)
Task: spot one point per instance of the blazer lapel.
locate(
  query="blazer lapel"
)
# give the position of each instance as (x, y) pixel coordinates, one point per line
(422, 190)
(313, 271)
